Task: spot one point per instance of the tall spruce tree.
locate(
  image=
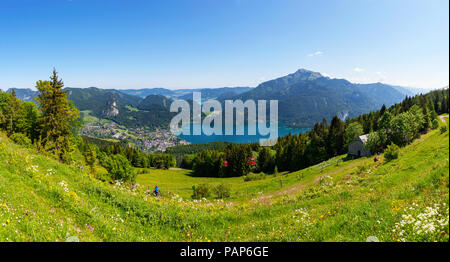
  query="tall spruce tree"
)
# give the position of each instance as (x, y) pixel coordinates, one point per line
(12, 108)
(57, 117)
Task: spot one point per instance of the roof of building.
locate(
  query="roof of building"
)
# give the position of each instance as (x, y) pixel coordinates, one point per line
(363, 138)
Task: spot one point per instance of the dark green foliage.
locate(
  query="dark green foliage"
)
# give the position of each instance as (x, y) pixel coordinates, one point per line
(391, 152)
(20, 139)
(237, 157)
(376, 142)
(201, 191)
(266, 160)
(18, 117)
(443, 129)
(196, 148)
(353, 131)
(27, 121)
(12, 108)
(188, 161)
(119, 168)
(209, 164)
(90, 156)
(222, 191)
(114, 105)
(435, 124)
(336, 137)
(57, 117)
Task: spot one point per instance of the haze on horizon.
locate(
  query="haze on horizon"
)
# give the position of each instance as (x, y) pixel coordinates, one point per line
(208, 44)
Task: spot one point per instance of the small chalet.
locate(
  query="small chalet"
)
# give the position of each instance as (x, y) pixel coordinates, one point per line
(358, 147)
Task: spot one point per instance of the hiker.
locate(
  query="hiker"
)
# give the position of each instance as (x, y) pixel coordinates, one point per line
(156, 191)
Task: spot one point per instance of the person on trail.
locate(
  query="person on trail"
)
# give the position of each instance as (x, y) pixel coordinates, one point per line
(156, 191)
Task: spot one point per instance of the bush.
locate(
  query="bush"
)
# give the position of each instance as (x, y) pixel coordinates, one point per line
(443, 129)
(120, 168)
(361, 169)
(201, 191)
(435, 124)
(222, 191)
(391, 152)
(187, 162)
(20, 139)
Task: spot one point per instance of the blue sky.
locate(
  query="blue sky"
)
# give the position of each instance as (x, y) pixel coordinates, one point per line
(212, 43)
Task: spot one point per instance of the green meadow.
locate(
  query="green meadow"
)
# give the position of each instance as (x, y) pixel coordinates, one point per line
(405, 199)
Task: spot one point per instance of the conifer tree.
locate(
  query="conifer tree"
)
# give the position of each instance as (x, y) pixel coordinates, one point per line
(12, 108)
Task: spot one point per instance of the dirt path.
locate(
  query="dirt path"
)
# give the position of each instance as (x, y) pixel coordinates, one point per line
(443, 119)
(289, 191)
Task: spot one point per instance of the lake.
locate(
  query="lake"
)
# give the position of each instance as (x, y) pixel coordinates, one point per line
(199, 139)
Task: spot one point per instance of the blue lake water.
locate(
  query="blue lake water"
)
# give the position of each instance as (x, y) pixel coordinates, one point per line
(199, 139)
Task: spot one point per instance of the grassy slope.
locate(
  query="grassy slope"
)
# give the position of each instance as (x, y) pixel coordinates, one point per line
(333, 201)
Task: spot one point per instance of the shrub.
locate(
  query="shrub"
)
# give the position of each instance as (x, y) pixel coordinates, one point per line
(435, 124)
(275, 171)
(187, 161)
(201, 191)
(391, 152)
(443, 129)
(222, 191)
(20, 139)
(361, 169)
(120, 168)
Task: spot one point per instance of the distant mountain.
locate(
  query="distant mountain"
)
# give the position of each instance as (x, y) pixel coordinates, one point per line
(151, 102)
(305, 97)
(147, 91)
(25, 94)
(407, 91)
(186, 94)
(128, 110)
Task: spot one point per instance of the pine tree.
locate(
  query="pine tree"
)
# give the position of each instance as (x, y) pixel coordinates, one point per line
(336, 137)
(12, 108)
(57, 117)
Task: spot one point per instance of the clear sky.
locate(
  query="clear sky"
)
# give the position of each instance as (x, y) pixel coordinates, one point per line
(213, 43)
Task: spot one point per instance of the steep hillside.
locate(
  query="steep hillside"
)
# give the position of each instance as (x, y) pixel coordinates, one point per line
(338, 200)
(151, 101)
(127, 110)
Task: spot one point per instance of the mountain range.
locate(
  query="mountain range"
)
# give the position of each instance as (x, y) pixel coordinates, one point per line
(304, 97)
(186, 94)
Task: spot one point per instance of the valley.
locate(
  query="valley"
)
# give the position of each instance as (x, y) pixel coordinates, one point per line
(143, 138)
